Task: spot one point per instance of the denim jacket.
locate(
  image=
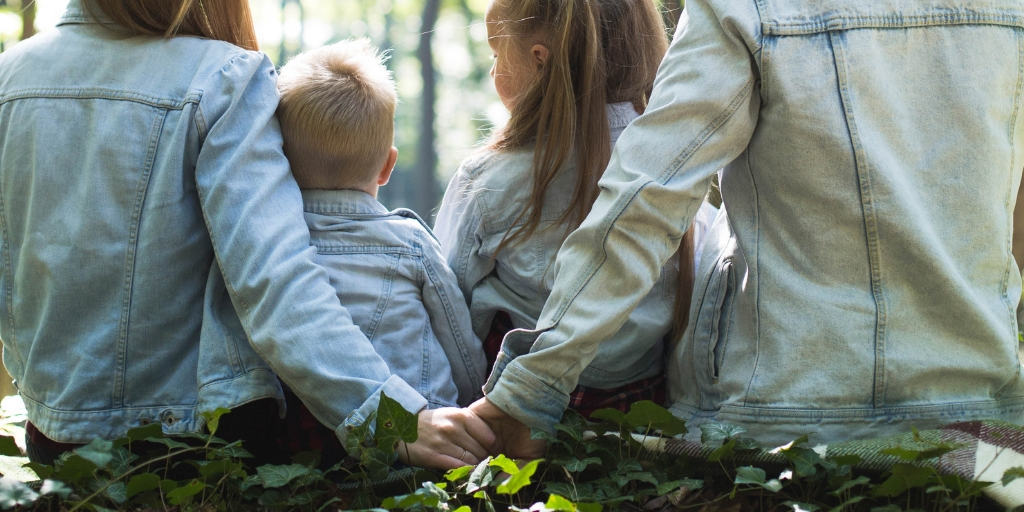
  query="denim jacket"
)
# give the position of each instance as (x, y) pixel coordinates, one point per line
(483, 202)
(154, 259)
(389, 272)
(862, 280)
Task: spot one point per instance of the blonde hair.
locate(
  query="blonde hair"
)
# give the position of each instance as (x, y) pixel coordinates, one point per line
(224, 20)
(600, 52)
(337, 115)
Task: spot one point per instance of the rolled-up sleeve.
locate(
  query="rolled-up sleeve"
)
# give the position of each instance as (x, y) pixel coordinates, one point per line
(701, 116)
(253, 211)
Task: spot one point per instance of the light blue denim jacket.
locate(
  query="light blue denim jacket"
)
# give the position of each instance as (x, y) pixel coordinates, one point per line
(389, 272)
(154, 259)
(483, 202)
(862, 281)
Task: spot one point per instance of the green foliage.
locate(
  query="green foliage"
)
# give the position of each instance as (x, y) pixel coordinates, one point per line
(590, 466)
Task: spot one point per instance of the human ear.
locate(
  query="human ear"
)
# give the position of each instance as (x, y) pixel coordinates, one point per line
(540, 54)
(389, 165)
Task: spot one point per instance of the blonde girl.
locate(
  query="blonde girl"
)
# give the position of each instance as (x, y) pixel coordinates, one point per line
(573, 74)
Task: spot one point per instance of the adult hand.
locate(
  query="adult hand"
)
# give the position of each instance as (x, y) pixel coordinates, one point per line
(448, 438)
(513, 437)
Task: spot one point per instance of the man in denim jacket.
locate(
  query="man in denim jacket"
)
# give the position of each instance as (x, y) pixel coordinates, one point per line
(862, 281)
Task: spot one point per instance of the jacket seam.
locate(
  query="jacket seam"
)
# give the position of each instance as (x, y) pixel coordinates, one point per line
(130, 256)
(384, 300)
(1010, 192)
(833, 21)
(100, 93)
(864, 179)
(430, 274)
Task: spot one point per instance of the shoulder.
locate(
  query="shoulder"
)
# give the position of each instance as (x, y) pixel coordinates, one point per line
(490, 167)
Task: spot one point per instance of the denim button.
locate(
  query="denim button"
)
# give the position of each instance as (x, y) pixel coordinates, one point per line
(167, 417)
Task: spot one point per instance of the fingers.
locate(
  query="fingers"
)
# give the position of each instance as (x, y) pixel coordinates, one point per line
(481, 433)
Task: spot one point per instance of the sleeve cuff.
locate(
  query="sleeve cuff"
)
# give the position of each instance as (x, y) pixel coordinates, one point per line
(525, 397)
(396, 389)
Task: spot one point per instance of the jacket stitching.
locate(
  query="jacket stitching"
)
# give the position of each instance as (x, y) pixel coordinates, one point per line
(870, 221)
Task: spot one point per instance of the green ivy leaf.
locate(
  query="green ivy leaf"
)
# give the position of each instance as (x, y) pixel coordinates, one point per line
(848, 503)
(588, 507)
(8, 447)
(715, 432)
(756, 476)
(613, 416)
(15, 494)
(575, 465)
(141, 483)
(73, 469)
(394, 424)
(649, 415)
(505, 464)
(805, 460)
(481, 476)
(41, 470)
(272, 475)
(213, 418)
(903, 477)
(689, 483)
(850, 484)
(519, 479)
(558, 503)
(454, 475)
(117, 493)
(232, 450)
(145, 433)
(170, 443)
(725, 451)
(98, 451)
(217, 467)
(54, 487)
(183, 495)
(1012, 474)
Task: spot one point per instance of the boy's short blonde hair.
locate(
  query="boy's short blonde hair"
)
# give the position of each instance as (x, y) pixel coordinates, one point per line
(337, 114)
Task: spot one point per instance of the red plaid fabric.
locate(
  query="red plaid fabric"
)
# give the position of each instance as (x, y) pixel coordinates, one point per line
(584, 400)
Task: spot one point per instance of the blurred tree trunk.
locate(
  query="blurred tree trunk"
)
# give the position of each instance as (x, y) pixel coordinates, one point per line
(671, 9)
(426, 189)
(28, 18)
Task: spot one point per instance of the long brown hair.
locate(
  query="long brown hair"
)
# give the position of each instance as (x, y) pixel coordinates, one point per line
(600, 52)
(225, 20)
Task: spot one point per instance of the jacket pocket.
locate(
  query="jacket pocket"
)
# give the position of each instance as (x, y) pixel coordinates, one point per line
(716, 313)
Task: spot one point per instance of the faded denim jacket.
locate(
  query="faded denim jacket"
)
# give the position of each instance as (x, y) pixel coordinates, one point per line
(154, 260)
(483, 202)
(862, 281)
(389, 272)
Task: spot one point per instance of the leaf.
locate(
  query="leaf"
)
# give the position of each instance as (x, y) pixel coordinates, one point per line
(903, 477)
(573, 433)
(722, 452)
(98, 451)
(649, 415)
(218, 467)
(141, 483)
(558, 503)
(116, 493)
(15, 494)
(8, 447)
(577, 466)
(394, 424)
(689, 483)
(519, 479)
(1012, 474)
(480, 477)
(613, 416)
(805, 460)
(505, 464)
(183, 495)
(796, 506)
(714, 432)
(456, 474)
(852, 501)
(74, 468)
(850, 484)
(213, 418)
(145, 433)
(273, 475)
(749, 475)
(170, 443)
(54, 487)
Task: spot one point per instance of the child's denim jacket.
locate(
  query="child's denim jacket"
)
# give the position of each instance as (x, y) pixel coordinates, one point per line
(482, 203)
(154, 260)
(862, 281)
(392, 278)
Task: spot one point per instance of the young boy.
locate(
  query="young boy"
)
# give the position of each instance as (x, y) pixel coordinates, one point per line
(337, 116)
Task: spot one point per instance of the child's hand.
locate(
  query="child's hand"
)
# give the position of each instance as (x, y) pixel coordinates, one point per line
(513, 437)
(448, 438)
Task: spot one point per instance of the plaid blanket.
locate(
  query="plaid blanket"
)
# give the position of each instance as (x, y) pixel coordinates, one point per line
(983, 451)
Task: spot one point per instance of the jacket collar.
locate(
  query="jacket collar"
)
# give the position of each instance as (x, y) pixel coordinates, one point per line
(76, 14)
(334, 202)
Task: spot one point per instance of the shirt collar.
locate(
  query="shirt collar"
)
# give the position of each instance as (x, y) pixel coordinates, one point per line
(620, 114)
(334, 202)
